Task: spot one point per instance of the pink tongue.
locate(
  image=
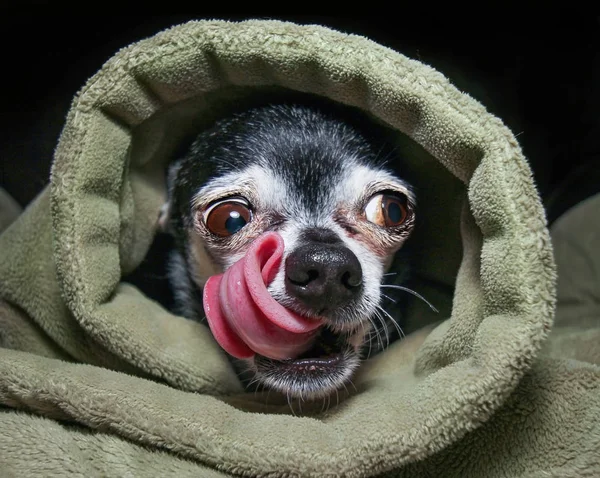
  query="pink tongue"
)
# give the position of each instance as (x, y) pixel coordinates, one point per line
(243, 316)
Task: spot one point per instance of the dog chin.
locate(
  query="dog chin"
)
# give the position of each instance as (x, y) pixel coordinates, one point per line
(320, 371)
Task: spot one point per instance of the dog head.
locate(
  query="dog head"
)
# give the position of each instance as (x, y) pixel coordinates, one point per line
(304, 199)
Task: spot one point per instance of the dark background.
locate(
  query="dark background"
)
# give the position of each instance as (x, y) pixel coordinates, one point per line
(540, 73)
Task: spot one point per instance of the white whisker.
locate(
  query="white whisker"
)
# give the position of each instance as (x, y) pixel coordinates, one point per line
(368, 337)
(377, 336)
(345, 388)
(396, 324)
(385, 329)
(410, 291)
(289, 401)
(252, 382)
(323, 406)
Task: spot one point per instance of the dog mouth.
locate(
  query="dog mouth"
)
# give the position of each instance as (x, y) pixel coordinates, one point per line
(300, 356)
(317, 372)
(325, 354)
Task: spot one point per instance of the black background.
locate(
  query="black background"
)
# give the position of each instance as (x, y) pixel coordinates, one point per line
(539, 72)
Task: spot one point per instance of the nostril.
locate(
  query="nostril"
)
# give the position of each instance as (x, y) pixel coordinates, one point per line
(351, 280)
(313, 275)
(303, 278)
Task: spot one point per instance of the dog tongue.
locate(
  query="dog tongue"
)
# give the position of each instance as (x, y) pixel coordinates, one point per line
(243, 316)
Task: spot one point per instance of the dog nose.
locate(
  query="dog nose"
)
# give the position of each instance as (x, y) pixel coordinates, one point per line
(323, 276)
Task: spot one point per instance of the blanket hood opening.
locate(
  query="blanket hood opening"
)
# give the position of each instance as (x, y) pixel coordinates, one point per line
(484, 257)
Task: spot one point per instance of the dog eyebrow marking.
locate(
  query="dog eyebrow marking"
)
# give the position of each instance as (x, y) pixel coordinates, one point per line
(362, 182)
(232, 184)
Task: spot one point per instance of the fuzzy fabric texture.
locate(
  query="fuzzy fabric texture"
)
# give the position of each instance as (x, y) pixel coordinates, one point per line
(9, 210)
(98, 380)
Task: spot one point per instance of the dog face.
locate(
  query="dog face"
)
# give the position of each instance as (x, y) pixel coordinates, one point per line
(316, 183)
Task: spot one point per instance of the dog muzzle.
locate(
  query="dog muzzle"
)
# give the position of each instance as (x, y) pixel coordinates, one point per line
(243, 316)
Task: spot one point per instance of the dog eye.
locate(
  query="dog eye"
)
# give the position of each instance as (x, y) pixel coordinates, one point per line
(227, 217)
(387, 210)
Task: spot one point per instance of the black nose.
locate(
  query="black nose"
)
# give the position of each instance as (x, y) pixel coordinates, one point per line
(323, 276)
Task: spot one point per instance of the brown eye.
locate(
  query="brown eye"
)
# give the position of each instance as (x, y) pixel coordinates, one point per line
(387, 210)
(227, 217)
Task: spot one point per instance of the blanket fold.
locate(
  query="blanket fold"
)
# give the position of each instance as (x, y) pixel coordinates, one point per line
(97, 378)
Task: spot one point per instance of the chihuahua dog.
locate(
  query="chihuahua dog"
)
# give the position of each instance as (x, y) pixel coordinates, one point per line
(285, 221)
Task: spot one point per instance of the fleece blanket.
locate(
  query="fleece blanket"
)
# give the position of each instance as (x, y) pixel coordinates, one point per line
(97, 379)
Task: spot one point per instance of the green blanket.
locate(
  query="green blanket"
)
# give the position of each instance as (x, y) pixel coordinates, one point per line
(98, 380)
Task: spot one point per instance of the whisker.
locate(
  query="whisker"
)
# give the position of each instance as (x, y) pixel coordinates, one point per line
(258, 389)
(389, 154)
(385, 329)
(252, 382)
(247, 371)
(261, 388)
(396, 324)
(410, 291)
(346, 389)
(289, 401)
(388, 297)
(377, 336)
(368, 337)
(390, 274)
